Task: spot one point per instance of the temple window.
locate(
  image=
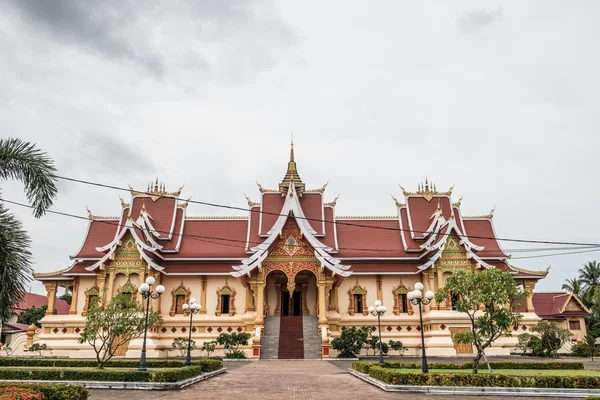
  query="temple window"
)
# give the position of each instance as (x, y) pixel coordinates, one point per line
(180, 296)
(358, 305)
(401, 305)
(454, 299)
(225, 304)
(574, 325)
(91, 297)
(179, 302)
(225, 300)
(128, 290)
(358, 298)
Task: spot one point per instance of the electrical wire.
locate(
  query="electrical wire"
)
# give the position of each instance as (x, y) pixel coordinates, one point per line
(337, 222)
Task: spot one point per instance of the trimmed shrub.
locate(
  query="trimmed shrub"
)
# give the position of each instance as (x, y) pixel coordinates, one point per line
(50, 392)
(391, 377)
(50, 362)
(176, 375)
(74, 375)
(362, 366)
(17, 393)
(494, 365)
(208, 365)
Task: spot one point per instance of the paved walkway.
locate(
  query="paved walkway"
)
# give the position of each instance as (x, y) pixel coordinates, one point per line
(281, 380)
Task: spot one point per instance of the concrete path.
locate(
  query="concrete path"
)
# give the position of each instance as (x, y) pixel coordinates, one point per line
(279, 380)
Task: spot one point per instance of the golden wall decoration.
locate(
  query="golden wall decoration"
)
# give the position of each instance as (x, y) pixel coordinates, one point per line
(181, 290)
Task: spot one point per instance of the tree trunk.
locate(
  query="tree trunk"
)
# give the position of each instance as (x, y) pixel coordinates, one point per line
(476, 361)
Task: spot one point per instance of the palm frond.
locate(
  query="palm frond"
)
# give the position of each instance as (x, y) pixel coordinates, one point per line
(23, 161)
(15, 263)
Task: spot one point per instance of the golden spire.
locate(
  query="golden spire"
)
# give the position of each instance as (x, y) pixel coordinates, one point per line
(292, 173)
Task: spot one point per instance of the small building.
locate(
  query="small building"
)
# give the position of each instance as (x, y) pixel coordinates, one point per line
(564, 308)
(11, 329)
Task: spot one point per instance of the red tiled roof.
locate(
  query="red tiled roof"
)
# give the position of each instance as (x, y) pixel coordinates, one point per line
(14, 327)
(478, 231)
(550, 303)
(38, 300)
(202, 239)
(272, 203)
(312, 206)
(358, 241)
(162, 212)
(100, 233)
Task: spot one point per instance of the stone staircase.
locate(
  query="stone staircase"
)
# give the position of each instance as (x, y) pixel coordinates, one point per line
(270, 340)
(312, 339)
(290, 338)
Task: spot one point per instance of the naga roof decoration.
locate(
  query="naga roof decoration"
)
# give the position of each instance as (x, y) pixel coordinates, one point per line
(291, 209)
(426, 223)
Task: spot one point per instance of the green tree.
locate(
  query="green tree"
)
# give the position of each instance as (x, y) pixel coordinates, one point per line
(397, 346)
(181, 344)
(24, 162)
(32, 315)
(37, 348)
(67, 296)
(232, 341)
(209, 347)
(489, 298)
(589, 276)
(590, 343)
(553, 337)
(574, 286)
(350, 342)
(109, 327)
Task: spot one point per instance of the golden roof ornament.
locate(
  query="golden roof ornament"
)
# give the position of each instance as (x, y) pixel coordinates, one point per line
(156, 190)
(459, 202)
(428, 190)
(398, 204)
(291, 174)
(123, 204)
(251, 203)
(332, 203)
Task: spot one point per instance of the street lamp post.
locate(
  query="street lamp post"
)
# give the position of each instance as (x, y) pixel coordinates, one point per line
(192, 308)
(378, 310)
(416, 298)
(147, 294)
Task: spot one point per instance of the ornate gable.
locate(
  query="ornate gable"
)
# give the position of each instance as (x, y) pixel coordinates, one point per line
(454, 256)
(290, 243)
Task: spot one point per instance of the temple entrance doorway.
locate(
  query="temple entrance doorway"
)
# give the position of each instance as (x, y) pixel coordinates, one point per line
(291, 306)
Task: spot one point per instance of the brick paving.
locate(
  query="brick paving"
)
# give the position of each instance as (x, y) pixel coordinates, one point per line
(279, 380)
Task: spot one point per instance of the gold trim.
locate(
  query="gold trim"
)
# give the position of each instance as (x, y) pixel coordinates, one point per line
(251, 203)
(427, 191)
(155, 191)
(45, 274)
(528, 271)
(459, 202)
(320, 190)
(263, 190)
(490, 215)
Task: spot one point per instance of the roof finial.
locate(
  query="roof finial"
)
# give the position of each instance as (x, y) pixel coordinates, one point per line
(156, 185)
(89, 212)
(292, 149)
(292, 172)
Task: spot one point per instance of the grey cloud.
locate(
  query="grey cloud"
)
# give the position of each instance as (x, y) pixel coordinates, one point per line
(476, 20)
(104, 154)
(152, 35)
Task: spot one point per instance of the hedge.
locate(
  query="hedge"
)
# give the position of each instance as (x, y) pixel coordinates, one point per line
(109, 375)
(16, 393)
(50, 391)
(363, 366)
(391, 377)
(50, 362)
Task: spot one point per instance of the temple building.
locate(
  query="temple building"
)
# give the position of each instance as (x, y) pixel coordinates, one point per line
(292, 256)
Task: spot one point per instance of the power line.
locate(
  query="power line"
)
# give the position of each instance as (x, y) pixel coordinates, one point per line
(326, 221)
(555, 254)
(212, 239)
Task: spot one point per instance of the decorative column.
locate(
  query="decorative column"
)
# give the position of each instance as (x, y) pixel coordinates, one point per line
(203, 294)
(277, 311)
(440, 281)
(305, 311)
(249, 298)
(101, 278)
(142, 277)
(379, 289)
(529, 285)
(260, 304)
(431, 284)
(334, 304)
(111, 282)
(51, 289)
(322, 308)
(74, 295)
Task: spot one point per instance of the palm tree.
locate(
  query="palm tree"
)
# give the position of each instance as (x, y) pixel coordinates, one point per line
(22, 161)
(573, 286)
(590, 277)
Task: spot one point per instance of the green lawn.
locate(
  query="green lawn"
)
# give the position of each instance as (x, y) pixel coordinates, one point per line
(516, 372)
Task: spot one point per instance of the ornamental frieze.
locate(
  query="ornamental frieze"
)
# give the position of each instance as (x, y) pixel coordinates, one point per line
(291, 244)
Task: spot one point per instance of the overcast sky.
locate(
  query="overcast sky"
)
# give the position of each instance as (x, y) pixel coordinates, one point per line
(498, 98)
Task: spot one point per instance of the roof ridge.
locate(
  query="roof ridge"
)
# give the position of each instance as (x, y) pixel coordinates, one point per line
(219, 217)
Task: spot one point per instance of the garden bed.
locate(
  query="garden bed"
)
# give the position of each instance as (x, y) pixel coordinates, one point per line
(37, 390)
(520, 376)
(118, 374)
